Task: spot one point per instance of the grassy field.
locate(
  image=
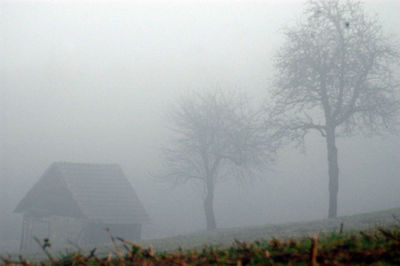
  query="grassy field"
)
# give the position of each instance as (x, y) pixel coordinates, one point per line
(295, 243)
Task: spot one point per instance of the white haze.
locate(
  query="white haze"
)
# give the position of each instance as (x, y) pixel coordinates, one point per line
(91, 82)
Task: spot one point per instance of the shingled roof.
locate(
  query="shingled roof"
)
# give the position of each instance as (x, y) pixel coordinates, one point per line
(98, 192)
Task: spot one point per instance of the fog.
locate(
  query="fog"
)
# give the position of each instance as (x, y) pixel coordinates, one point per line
(92, 81)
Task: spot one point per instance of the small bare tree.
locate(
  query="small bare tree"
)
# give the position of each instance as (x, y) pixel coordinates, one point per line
(335, 76)
(216, 136)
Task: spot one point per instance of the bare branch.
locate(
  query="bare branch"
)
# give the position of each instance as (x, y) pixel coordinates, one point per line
(216, 133)
(337, 67)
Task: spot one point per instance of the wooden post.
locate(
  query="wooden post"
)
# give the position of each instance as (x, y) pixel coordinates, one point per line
(48, 228)
(26, 234)
(23, 232)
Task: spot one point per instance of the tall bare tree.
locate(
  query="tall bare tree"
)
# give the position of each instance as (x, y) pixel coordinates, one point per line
(335, 76)
(217, 136)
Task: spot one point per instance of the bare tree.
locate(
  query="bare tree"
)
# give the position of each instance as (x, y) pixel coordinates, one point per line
(216, 136)
(335, 76)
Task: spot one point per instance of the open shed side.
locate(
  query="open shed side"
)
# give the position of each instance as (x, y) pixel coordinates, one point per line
(99, 196)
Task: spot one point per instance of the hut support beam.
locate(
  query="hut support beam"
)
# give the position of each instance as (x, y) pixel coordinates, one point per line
(26, 234)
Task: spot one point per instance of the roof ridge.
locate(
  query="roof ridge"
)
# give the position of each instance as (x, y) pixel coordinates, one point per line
(84, 164)
(100, 191)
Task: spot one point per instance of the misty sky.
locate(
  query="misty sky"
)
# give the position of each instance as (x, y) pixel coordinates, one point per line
(92, 82)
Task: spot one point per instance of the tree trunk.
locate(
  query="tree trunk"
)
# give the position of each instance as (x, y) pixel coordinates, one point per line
(333, 170)
(209, 206)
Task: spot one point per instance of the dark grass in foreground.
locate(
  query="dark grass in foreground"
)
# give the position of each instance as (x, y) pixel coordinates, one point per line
(378, 246)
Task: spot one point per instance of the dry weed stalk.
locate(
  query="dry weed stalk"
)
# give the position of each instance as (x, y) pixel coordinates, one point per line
(314, 252)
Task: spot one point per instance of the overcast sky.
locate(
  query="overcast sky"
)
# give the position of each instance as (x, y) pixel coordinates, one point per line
(91, 82)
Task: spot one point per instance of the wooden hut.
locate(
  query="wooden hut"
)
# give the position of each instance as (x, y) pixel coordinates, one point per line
(95, 196)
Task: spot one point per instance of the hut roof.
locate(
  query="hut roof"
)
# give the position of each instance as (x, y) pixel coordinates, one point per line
(98, 192)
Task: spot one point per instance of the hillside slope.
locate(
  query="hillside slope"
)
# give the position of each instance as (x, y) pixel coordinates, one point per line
(226, 236)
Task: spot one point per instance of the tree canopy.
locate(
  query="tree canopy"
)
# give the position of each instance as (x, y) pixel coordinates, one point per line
(336, 69)
(335, 75)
